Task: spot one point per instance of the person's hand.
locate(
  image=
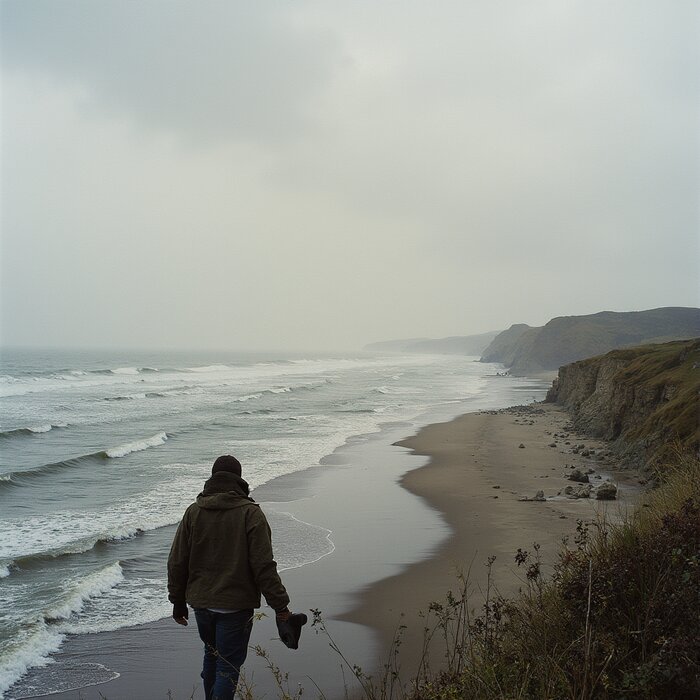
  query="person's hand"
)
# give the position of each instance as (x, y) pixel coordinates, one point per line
(180, 613)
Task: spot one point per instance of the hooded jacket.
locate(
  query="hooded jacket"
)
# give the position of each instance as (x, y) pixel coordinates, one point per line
(221, 556)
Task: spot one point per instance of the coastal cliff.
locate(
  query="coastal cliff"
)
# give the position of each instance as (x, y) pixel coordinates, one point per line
(644, 399)
(525, 349)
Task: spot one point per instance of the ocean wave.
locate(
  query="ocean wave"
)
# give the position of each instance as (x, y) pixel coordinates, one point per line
(137, 446)
(144, 600)
(38, 639)
(210, 368)
(88, 587)
(19, 478)
(22, 478)
(284, 389)
(31, 430)
(81, 546)
(179, 391)
(163, 393)
(60, 380)
(249, 397)
(27, 540)
(31, 648)
(126, 397)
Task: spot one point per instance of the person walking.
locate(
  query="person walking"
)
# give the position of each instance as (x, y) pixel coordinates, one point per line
(220, 562)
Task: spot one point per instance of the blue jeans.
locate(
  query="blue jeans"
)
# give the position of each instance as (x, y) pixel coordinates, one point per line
(225, 637)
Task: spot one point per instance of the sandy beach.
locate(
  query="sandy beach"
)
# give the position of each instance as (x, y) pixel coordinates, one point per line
(477, 474)
(403, 518)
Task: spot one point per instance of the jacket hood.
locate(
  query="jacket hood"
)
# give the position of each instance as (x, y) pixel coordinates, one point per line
(224, 490)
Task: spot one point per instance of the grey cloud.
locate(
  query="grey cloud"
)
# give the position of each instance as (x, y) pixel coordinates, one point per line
(343, 171)
(204, 70)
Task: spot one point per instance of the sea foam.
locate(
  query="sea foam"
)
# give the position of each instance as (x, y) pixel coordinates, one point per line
(90, 586)
(137, 446)
(29, 650)
(34, 642)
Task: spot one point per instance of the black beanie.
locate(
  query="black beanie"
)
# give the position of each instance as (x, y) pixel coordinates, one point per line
(227, 463)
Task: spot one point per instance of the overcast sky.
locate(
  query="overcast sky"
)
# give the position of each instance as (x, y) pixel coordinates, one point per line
(318, 175)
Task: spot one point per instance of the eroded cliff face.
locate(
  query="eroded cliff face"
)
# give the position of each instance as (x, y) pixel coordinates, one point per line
(644, 399)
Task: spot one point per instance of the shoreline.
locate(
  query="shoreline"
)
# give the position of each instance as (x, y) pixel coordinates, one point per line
(154, 657)
(475, 478)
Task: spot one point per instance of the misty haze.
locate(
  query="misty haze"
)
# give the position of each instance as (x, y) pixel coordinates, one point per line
(429, 272)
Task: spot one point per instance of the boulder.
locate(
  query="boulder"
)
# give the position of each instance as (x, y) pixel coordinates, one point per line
(606, 492)
(577, 475)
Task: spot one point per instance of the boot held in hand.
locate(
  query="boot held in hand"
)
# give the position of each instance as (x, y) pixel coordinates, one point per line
(290, 629)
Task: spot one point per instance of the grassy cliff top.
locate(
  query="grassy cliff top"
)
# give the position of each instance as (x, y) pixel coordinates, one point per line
(669, 376)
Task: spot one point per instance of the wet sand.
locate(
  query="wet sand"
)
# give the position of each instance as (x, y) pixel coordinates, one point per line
(476, 475)
(354, 495)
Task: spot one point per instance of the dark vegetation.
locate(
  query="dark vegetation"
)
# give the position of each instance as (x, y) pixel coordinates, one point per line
(619, 618)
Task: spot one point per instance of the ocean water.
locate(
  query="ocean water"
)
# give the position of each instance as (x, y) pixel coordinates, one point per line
(101, 452)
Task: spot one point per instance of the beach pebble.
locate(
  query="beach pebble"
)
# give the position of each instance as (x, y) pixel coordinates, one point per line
(539, 496)
(552, 444)
(521, 446)
(495, 487)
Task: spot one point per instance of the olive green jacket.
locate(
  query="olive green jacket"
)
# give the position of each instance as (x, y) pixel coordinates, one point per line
(221, 556)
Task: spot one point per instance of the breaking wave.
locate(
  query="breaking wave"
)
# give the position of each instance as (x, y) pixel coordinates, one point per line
(18, 478)
(31, 430)
(137, 446)
(42, 637)
(89, 587)
(125, 370)
(178, 391)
